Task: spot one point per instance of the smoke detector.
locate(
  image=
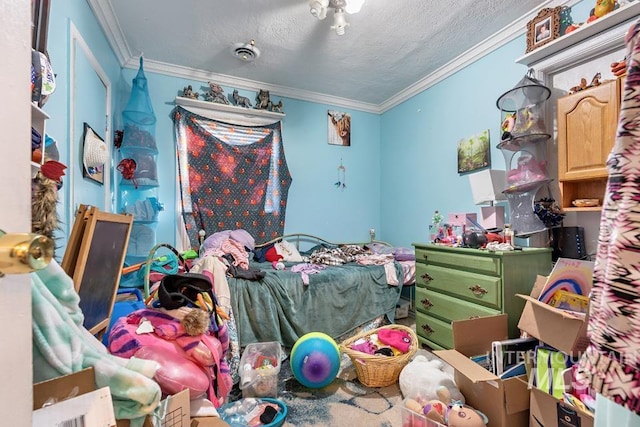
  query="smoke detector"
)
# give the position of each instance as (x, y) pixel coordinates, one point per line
(246, 51)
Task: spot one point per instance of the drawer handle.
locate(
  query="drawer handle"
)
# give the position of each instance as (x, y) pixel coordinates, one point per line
(426, 302)
(428, 330)
(425, 256)
(427, 277)
(473, 317)
(478, 290)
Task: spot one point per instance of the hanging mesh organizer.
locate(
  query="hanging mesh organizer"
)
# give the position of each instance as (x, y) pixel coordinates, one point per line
(139, 142)
(522, 112)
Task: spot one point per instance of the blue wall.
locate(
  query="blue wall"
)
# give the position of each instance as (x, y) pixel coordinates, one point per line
(62, 14)
(401, 165)
(315, 205)
(419, 143)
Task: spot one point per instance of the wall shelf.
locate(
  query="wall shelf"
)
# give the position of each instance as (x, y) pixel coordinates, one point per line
(248, 112)
(618, 17)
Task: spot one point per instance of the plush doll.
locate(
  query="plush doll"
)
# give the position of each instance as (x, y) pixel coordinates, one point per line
(421, 378)
(459, 415)
(447, 412)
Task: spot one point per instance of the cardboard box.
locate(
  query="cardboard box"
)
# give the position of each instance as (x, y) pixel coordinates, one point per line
(71, 399)
(504, 402)
(561, 329)
(173, 411)
(460, 219)
(548, 411)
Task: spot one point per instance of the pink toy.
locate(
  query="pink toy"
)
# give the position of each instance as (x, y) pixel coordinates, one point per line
(175, 373)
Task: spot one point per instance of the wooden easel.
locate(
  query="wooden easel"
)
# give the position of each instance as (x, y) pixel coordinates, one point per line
(94, 258)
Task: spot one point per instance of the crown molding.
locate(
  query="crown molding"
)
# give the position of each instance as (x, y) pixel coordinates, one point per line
(106, 17)
(247, 84)
(493, 42)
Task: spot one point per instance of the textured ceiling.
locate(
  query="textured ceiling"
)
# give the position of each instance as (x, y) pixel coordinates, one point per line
(388, 46)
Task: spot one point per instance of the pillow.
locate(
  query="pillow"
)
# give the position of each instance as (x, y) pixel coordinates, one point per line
(243, 237)
(288, 251)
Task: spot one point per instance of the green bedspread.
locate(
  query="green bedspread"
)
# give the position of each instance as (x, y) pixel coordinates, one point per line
(338, 299)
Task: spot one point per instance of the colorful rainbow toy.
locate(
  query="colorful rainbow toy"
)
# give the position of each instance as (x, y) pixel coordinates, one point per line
(315, 360)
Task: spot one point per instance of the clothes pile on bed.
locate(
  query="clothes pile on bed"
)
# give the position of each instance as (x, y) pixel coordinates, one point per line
(276, 293)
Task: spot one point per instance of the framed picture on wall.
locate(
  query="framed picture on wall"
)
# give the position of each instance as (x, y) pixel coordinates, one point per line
(474, 152)
(544, 28)
(339, 128)
(95, 155)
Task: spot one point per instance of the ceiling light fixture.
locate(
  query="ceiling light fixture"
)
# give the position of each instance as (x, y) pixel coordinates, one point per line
(319, 8)
(245, 51)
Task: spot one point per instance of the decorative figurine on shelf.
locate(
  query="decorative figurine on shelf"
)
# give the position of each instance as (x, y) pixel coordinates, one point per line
(603, 7)
(619, 68)
(595, 81)
(216, 94)
(565, 19)
(277, 108)
(188, 92)
(262, 100)
(241, 101)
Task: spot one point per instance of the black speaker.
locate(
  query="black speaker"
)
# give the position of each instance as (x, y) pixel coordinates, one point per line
(568, 242)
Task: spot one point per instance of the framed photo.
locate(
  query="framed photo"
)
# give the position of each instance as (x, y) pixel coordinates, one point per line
(542, 29)
(339, 128)
(474, 152)
(95, 155)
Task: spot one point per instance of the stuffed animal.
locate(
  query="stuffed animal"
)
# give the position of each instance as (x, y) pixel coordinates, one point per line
(445, 411)
(421, 378)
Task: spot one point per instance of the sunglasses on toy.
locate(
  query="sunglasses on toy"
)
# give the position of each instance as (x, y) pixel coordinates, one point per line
(186, 289)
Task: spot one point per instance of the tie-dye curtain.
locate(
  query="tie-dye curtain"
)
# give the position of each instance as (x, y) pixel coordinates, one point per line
(231, 176)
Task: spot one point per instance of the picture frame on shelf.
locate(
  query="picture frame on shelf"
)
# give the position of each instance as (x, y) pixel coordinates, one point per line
(544, 28)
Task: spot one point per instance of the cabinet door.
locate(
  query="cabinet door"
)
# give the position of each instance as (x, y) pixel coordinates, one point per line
(586, 131)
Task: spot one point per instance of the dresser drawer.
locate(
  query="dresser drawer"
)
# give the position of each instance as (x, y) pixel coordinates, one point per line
(477, 288)
(477, 263)
(435, 330)
(449, 308)
(425, 344)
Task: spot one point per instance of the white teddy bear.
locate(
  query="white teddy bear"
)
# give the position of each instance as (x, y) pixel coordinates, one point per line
(421, 378)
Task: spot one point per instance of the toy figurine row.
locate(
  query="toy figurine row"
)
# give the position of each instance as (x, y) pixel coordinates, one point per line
(216, 94)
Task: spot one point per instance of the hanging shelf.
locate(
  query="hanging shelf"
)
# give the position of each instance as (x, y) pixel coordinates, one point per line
(206, 105)
(617, 18)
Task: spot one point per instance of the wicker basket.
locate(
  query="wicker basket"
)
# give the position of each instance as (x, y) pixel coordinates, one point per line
(376, 370)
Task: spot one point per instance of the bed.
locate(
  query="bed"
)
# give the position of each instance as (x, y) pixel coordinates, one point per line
(336, 300)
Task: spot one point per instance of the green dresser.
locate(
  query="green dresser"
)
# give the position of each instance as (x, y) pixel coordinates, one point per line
(463, 283)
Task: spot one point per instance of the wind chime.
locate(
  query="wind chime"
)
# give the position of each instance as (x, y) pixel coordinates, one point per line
(341, 183)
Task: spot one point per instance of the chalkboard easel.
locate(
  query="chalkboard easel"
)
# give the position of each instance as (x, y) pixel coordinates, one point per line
(94, 258)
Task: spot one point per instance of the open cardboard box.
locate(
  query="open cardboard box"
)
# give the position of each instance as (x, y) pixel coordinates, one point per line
(563, 330)
(504, 402)
(72, 398)
(547, 411)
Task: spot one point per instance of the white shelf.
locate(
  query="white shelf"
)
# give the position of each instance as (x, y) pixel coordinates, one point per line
(249, 112)
(616, 18)
(38, 113)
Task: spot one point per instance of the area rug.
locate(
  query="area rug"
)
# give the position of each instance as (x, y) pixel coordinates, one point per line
(344, 402)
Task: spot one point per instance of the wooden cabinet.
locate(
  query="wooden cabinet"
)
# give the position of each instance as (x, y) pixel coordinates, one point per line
(587, 122)
(461, 283)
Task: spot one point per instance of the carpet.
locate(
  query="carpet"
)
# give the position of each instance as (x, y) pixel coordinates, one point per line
(344, 402)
